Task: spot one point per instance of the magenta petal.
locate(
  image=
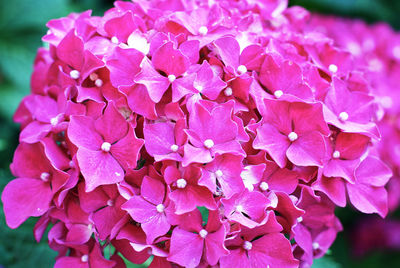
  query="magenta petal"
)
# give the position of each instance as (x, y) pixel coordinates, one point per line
(341, 168)
(236, 258)
(70, 50)
(98, 168)
(368, 199)
(187, 199)
(229, 51)
(159, 137)
(170, 60)
(124, 64)
(67, 262)
(126, 150)
(152, 190)
(373, 171)
(195, 155)
(140, 209)
(273, 142)
(155, 83)
(111, 125)
(334, 188)
(186, 248)
(78, 234)
(308, 150)
(82, 133)
(156, 226)
(34, 132)
(214, 246)
(24, 198)
(139, 101)
(280, 255)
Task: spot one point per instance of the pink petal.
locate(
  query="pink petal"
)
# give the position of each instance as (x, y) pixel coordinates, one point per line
(273, 142)
(70, 50)
(111, 125)
(373, 171)
(170, 60)
(368, 199)
(24, 198)
(214, 246)
(308, 150)
(186, 248)
(126, 150)
(82, 133)
(98, 168)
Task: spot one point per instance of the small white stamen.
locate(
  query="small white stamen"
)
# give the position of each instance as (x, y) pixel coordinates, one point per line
(160, 208)
(203, 30)
(54, 121)
(203, 233)
(74, 74)
(71, 164)
(247, 245)
(264, 186)
(293, 136)
(199, 87)
(174, 148)
(85, 258)
(336, 154)
(114, 40)
(333, 68)
(242, 69)
(343, 116)
(396, 52)
(106, 146)
(239, 208)
(278, 94)
(93, 76)
(45, 176)
(208, 143)
(228, 91)
(90, 226)
(315, 245)
(300, 219)
(110, 203)
(219, 173)
(181, 183)
(117, 174)
(171, 78)
(98, 82)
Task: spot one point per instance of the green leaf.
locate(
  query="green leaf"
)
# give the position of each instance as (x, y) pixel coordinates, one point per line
(325, 262)
(204, 214)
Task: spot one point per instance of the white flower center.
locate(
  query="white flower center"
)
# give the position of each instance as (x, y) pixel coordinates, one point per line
(247, 245)
(93, 76)
(45, 176)
(228, 91)
(264, 186)
(208, 143)
(241, 69)
(110, 203)
(54, 121)
(174, 148)
(315, 245)
(343, 116)
(336, 154)
(278, 94)
(199, 87)
(239, 208)
(203, 233)
(300, 219)
(171, 78)
(181, 183)
(74, 74)
(219, 173)
(160, 208)
(106, 146)
(396, 52)
(114, 40)
(85, 258)
(293, 136)
(333, 68)
(98, 82)
(203, 30)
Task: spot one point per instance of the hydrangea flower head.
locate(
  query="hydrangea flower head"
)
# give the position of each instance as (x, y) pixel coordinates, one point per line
(201, 133)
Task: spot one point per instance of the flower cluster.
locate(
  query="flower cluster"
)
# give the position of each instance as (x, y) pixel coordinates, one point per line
(201, 133)
(376, 49)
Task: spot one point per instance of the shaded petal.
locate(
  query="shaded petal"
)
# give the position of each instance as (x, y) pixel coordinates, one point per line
(308, 150)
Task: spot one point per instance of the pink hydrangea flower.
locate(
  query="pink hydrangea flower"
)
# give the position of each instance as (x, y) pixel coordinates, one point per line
(201, 133)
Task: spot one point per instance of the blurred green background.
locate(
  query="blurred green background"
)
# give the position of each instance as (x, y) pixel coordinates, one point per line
(22, 24)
